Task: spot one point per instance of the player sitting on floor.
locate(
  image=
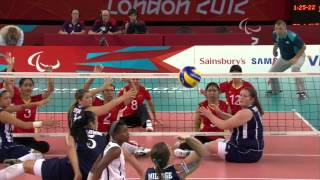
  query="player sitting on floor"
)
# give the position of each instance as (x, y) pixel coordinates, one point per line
(26, 86)
(136, 113)
(84, 145)
(105, 120)
(160, 155)
(112, 164)
(246, 143)
(8, 149)
(202, 123)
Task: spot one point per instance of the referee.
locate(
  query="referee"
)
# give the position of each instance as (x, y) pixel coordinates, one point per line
(292, 51)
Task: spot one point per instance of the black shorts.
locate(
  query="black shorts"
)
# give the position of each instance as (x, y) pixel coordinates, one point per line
(13, 151)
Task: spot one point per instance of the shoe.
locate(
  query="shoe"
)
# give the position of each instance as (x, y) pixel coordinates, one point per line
(273, 92)
(141, 151)
(10, 162)
(180, 153)
(149, 127)
(301, 95)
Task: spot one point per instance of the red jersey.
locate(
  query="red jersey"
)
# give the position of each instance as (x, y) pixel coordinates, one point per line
(15, 89)
(206, 124)
(105, 121)
(28, 115)
(132, 107)
(233, 94)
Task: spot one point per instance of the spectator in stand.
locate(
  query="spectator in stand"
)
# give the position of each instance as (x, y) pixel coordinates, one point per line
(105, 24)
(11, 36)
(75, 26)
(134, 26)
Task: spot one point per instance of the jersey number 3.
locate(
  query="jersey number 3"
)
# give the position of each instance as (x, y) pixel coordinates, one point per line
(27, 113)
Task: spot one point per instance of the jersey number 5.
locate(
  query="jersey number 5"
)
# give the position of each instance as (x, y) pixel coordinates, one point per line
(91, 143)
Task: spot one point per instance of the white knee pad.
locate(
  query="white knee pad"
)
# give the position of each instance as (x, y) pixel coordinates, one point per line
(222, 144)
(37, 167)
(31, 156)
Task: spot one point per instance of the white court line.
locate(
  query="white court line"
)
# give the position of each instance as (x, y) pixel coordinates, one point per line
(294, 155)
(284, 155)
(306, 122)
(247, 178)
(52, 112)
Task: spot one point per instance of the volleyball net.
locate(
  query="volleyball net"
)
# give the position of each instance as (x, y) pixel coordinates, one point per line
(285, 113)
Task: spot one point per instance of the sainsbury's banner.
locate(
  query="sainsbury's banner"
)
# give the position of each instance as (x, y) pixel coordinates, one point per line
(252, 59)
(150, 10)
(150, 59)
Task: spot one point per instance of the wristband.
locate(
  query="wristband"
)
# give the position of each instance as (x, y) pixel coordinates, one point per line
(37, 124)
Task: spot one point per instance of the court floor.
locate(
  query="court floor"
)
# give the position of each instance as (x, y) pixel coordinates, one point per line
(284, 158)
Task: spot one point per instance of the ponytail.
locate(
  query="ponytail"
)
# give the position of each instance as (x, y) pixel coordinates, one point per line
(107, 138)
(78, 128)
(78, 96)
(70, 112)
(158, 170)
(160, 155)
(78, 132)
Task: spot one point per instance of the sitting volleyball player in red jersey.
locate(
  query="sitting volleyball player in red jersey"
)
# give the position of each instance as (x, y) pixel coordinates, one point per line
(105, 120)
(135, 112)
(232, 89)
(26, 86)
(202, 123)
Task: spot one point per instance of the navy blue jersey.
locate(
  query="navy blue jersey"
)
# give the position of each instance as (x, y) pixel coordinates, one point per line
(100, 26)
(76, 113)
(249, 135)
(8, 149)
(69, 27)
(168, 173)
(288, 45)
(89, 152)
(87, 155)
(5, 132)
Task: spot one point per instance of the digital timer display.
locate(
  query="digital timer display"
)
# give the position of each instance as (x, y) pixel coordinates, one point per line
(305, 11)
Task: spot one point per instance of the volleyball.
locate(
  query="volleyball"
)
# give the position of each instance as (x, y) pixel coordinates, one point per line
(189, 76)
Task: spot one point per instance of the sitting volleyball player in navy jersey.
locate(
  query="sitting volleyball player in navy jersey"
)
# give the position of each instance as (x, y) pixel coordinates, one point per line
(10, 151)
(84, 102)
(84, 145)
(246, 143)
(160, 155)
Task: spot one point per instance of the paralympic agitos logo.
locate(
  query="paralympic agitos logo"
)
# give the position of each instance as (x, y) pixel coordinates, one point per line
(40, 66)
